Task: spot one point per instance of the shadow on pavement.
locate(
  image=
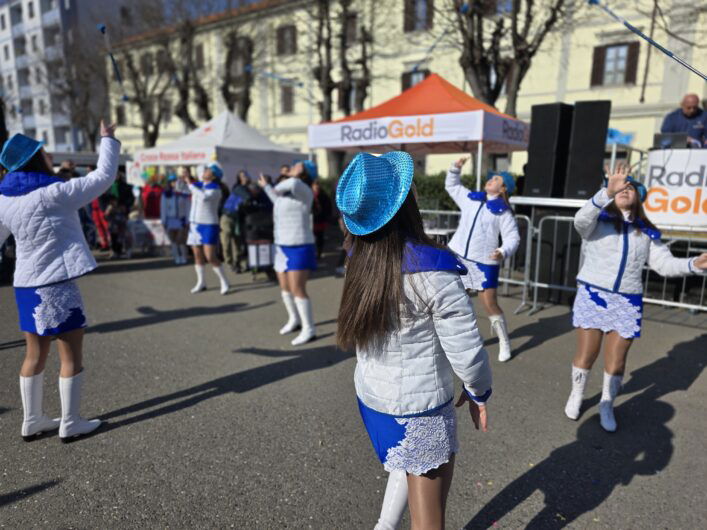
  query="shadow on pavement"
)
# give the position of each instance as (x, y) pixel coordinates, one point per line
(134, 265)
(154, 316)
(18, 495)
(12, 344)
(580, 476)
(3, 410)
(299, 361)
(539, 332)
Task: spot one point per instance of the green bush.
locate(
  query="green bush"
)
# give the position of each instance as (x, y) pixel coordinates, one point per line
(431, 194)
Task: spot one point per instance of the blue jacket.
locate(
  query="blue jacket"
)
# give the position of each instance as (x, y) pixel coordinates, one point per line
(695, 127)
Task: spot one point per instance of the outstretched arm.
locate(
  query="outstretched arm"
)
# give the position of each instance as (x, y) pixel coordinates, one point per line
(78, 192)
(662, 261)
(453, 183)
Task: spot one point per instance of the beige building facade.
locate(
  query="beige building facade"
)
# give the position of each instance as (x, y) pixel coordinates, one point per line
(593, 58)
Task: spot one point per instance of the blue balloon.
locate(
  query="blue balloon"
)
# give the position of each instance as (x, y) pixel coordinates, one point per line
(464, 9)
(101, 28)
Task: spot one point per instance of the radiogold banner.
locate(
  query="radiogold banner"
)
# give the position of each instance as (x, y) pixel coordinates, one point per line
(677, 187)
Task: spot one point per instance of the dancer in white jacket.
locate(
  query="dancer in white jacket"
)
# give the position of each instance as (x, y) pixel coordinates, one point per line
(406, 313)
(204, 226)
(618, 240)
(41, 211)
(174, 213)
(485, 216)
(295, 252)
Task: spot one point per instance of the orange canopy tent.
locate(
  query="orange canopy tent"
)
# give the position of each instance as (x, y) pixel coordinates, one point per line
(433, 116)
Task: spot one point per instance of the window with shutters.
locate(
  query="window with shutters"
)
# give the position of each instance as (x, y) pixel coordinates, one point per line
(615, 64)
(351, 28)
(418, 15)
(199, 56)
(287, 99)
(410, 79)
(120, 118)
(146, 64)
(286, 40)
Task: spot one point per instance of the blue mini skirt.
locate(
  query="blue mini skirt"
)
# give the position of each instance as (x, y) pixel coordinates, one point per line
(414, 444)
(596, 308)
(295, 258)
(50, 310)
(480, 276)
(203, 234)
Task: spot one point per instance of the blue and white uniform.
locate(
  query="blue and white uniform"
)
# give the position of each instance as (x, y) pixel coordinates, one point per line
(292, 216)
(41, 211)
(405, 387)
(609, 295)
(174, 208)
(482, 220)
(203, 216)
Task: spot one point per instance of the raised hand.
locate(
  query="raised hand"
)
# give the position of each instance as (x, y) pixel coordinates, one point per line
(617, 180)
(262, 181)
(701, 261)
(459, 163)
(108, 130)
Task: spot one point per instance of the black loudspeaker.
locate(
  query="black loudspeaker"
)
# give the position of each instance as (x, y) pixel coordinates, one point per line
(548, 148)
(585, 167)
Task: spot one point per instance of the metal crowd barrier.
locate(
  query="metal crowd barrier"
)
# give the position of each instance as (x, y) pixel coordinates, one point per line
(554, 248)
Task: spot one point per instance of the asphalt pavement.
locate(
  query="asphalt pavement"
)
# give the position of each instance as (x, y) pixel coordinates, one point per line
(214, 421)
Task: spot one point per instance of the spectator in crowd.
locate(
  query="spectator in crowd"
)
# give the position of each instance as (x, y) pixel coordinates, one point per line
(284, 173)
(117, 217)
(151, 197)
(321, 210)
(690, 119)
(100, 222)
(232, 236)
(174, 213)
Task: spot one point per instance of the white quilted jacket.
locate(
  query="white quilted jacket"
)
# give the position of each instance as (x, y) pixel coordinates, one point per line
(205, 199)
(51, 246)
(614, 261)
(292, 212)
(476, 237)
(413, 371)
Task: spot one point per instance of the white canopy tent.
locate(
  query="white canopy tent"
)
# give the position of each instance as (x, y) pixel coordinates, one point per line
(225, 139)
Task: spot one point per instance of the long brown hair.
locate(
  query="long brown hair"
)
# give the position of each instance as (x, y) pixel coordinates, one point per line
(37, 164)
(637, 212)
(373, 288)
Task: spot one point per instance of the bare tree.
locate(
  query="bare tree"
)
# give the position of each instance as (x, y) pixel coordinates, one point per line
(500, 39)
(324, 58)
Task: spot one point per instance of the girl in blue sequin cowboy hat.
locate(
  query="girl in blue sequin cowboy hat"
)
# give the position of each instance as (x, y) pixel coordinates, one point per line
(619, 240)
(484, 216)
(405, 312)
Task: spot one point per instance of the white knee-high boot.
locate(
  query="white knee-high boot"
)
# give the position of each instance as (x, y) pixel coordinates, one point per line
(222, 278)
(580, 376)
(500, 329)
(34, 422)
(72, 424)
(612, 386)
(293, 320)
(395, 501)
(304, 308)
(200, 283)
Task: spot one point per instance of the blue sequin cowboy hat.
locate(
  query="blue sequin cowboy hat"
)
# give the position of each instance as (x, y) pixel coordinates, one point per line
(372, 189)
(18, 150)
(640, 188)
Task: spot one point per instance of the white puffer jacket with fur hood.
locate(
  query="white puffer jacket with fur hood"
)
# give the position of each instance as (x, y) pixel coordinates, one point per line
(51, 246)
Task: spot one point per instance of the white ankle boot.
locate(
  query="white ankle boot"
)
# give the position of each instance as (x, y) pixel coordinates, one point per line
(222, 278)
(395, 501)
(200, 283)
(35, 422)
(72, 424)
(308, 333)
(293, 320)
(612, 386)
(579, 383)
(499, 328)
